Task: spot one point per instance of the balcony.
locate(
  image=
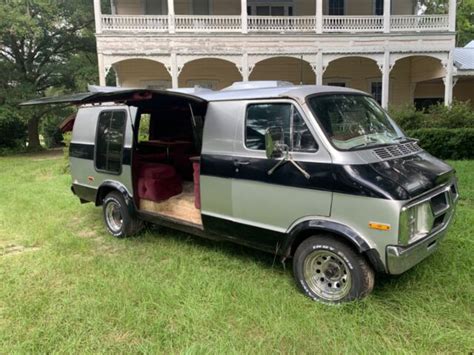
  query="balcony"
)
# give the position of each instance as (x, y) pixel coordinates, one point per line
(269, 24)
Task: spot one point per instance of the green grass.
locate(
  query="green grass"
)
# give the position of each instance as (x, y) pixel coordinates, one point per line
(67, 286)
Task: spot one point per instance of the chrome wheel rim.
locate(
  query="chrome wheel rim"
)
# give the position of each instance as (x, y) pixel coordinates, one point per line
(327, 275)
(113, 216)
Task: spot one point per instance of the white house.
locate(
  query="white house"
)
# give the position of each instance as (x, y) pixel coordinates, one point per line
(379, 46)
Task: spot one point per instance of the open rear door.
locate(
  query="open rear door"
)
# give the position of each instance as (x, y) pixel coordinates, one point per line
(129, 97)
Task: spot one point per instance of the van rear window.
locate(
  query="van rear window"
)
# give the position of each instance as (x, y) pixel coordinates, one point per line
(110, 138)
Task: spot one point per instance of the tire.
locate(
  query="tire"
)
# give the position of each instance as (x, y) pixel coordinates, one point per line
(329, 271)
(117, 217)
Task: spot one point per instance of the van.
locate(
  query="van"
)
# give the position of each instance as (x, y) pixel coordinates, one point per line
(318, 174)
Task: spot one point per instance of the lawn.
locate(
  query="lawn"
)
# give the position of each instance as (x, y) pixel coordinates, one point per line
(67, 286)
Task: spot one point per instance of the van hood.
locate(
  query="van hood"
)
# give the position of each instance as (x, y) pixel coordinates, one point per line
(414, 174)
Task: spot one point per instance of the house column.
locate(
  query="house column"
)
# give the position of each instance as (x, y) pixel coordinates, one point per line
(319, 68)
(386, 15)
(98, 16)
(101, 65)
(171, 24)
(174, 71)
(319, 16)
(448, 80)
(245, 67)
(244, 16)
(452, 15)
(386, 79)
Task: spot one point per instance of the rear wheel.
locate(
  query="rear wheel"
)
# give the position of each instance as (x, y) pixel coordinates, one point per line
(330, 271)
(117, 217)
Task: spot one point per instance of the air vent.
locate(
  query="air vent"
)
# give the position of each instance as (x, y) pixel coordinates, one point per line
(396, 151)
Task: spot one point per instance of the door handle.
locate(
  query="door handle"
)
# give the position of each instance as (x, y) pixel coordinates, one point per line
(241, 162)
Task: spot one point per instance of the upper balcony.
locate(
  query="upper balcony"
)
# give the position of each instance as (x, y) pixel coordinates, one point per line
(269, 16)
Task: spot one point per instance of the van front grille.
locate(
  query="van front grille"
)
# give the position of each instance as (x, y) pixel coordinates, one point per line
(396, 151)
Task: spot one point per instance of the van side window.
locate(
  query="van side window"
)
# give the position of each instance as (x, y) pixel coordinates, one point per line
(260, 117)
(110, 139)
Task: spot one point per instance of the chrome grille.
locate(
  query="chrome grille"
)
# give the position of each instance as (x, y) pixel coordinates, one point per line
(396, 151)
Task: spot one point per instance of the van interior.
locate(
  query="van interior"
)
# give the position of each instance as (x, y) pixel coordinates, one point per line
(166, 154)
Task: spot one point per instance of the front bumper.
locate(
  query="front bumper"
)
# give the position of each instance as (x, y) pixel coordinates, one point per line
(401, 258)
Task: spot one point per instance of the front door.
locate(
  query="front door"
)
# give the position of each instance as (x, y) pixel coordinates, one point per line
(273, 201)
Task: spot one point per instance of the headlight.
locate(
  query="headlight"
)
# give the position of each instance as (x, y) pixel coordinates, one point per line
(415, 222)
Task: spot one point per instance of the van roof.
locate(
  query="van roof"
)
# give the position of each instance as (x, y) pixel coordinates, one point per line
(298, 92)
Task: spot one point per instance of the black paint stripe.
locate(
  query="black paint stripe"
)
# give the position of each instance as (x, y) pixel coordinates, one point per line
(86, 151)
(84, 192)
(397, 179)
(82, 151)
(259, 238)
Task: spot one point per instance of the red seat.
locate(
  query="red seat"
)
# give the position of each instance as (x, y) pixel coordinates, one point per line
(158, 182)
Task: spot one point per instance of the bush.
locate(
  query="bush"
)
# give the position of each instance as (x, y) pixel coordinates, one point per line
(459, 115)
(408, 117)
(13, 131)
(52, 134)
(445, 143)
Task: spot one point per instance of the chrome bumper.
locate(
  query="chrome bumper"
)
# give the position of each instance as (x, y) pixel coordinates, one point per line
(401, 258)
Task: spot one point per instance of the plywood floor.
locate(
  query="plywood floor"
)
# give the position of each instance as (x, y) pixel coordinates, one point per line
(179, 207)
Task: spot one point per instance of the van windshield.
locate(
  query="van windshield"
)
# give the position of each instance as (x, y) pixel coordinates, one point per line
(354, 121)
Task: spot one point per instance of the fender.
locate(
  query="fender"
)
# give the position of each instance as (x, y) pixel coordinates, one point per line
(108, 186)
(318, 225)
(307, 227)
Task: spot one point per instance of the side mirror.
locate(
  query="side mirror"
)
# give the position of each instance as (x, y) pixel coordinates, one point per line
(274, 139)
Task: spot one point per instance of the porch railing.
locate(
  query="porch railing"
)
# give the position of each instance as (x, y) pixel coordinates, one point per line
(140, 23)
(352, 23)
(281, 23)
(419, 23)
(210, 23)
(265, 24)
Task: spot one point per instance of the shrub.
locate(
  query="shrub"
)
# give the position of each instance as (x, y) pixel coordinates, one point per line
(444, 143)
(407, 117)
(52, 134)
(13, 131)
(458, 115)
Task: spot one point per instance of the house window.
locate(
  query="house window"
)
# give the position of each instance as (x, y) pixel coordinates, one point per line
(109, 141)
(376, 91)
(203, 83)
(378, 7)
(337, 83)
(260, 117)
(156, 7)
(201, 7)
(336, 7)
(156, 84)
(422, 104)
(267, 8)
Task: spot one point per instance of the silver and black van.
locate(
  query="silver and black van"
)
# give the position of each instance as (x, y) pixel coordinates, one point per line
(318, 174)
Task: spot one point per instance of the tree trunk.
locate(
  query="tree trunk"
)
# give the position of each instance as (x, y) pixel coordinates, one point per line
(33, 134)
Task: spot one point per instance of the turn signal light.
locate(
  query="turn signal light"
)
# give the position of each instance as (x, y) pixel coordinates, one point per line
(379, 226)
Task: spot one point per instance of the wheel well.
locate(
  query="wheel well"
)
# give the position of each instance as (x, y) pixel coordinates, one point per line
(103, 191)
(371, 255)
(305, 234)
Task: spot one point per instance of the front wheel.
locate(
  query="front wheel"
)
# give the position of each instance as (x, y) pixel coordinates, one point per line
(328, 270)
(117, 218)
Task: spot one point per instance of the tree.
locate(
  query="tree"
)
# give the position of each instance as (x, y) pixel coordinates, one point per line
(465, 22)
(44, 44)
(464, 17)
